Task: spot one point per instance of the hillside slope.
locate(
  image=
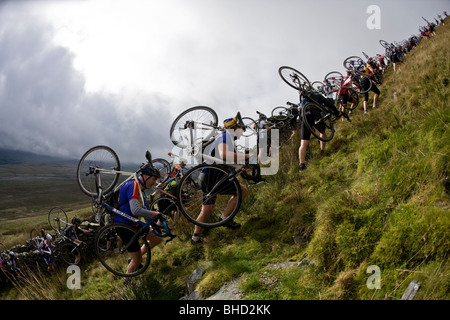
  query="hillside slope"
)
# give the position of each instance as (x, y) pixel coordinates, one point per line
(379, 196)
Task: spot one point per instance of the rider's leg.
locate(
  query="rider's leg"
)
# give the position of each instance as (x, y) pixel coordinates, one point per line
(136, 260)
(233, 201)
(302, 151)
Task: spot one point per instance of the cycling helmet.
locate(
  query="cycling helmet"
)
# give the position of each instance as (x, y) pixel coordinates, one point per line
(76, 220)
(151, 172)
(236, 121)
(49, 237)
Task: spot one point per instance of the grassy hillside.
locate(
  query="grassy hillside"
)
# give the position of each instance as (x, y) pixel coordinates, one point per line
(378, 196)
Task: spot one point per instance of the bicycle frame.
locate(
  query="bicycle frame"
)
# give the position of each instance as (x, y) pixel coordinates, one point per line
(142, 226)
(97, 172)
(109, 208)
(62, 235)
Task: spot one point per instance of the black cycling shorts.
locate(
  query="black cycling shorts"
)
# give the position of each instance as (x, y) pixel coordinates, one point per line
(311, 118)
(208, 180)
(346, 97)
(126, 235)
(374, 89)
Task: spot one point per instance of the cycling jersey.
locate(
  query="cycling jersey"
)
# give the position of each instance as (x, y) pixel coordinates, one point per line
(177, 170)
(171, 185)
(71, 233)
(226, 138)
(345, 86)
(129, 191)
(365, 68)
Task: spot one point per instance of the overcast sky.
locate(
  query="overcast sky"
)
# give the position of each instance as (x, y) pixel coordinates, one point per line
(74, 74)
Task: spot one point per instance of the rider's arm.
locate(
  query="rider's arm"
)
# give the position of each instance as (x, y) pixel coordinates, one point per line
(138, 211)
(228, 155)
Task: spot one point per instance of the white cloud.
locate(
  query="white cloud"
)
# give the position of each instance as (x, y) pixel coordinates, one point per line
(78, 73)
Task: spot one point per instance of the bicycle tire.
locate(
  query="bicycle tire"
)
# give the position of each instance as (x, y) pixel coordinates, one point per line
(354, 96)
(100, 157)
(70, 253)
(107, 249)
(360, 77)
(296, 80)
(319, 87)
(334, 79)
(280, 113)
(251, 127)
(203, 115)
(386, 44)
(163, 204)
(190, 187)
(325, 118)
(163, 166)
(57, 219)
(353, 63)
(35, 238)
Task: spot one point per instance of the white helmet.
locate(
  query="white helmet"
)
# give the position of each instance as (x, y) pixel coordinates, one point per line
(49, 237)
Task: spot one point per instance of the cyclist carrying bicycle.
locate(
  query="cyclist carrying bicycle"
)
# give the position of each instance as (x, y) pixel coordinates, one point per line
(223, 148)
(263, 135)
(178, 169)
(367, 67)
(130, 203)
(45, 249)
(73, 230)
(344, 93)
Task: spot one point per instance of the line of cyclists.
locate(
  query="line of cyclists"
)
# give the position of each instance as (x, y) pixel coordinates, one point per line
(340, 96)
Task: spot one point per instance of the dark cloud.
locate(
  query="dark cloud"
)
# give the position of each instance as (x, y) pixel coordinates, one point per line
(45, 109)
(220, 54)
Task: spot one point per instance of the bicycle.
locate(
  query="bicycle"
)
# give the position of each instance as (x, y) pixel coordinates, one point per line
(360, 81)
(341, 86)
(70, 249)
(8, 260)
(191, 132)
(67, 251)
(109, 244)
(102, 162)
(392, 52)
(377, 74)
(317, 111)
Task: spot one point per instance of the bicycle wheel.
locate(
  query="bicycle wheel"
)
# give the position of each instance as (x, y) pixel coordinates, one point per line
(70, 253)
(57, 219)
(361, 83)
(193, 126)
(353, 63)
(163, 166)
(294, 78)
(354, 103)
(386, 44)
(334, 79)
(281, 113)
(99, 157)
(167, 206)
(110, 242)
(251, 128)
(207, 192)
(318, 121)
(35, 238)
